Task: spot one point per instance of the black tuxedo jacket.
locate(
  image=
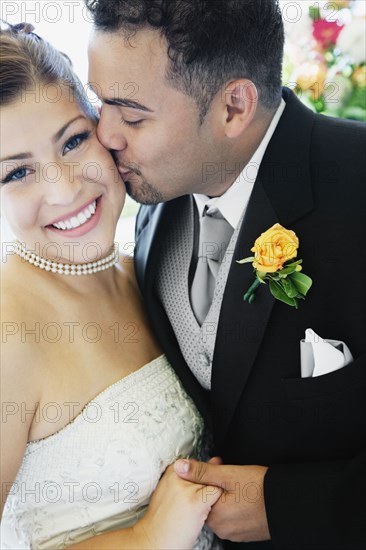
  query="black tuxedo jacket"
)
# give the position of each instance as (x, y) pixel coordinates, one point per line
(310, 432)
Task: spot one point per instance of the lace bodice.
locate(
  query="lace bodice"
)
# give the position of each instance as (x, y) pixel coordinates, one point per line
(98, 472)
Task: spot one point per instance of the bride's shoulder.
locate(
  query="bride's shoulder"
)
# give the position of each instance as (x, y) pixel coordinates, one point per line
(11, 294)
(19, 316)
(17, 292)
(19, 365)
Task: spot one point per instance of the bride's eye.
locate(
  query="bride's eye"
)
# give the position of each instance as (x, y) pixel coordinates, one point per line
(75, 141)
(16, 175)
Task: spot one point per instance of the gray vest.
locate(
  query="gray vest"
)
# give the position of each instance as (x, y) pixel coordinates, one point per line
(196, 342)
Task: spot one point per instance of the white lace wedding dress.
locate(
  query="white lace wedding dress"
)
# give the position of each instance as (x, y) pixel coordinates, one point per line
(98, 472)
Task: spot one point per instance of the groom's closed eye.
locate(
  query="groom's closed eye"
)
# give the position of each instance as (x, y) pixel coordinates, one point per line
(133, 123)
(131, 116)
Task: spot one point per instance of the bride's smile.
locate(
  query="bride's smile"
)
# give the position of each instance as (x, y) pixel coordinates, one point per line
(79, 222)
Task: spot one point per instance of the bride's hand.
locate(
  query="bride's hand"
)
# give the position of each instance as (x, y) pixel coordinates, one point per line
(176, 513)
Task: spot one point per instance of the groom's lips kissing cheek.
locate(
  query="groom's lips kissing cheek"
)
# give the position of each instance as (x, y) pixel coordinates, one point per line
(124, 172)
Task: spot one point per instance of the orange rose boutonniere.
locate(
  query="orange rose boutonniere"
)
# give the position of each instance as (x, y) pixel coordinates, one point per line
(274, 251)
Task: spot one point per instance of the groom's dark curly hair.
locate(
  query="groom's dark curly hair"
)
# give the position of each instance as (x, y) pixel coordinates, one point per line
(210, 42)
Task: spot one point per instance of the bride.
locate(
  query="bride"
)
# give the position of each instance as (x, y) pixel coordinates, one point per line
(93, 414)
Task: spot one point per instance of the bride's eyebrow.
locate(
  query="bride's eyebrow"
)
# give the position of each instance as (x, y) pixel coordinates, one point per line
(55, 138)
(58, 135)
(20, 156)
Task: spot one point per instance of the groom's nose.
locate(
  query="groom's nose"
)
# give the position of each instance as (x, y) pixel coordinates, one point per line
(110, 131)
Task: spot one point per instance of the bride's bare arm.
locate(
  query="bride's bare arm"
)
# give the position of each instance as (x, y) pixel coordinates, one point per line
(124, 539)
(20, 388)
(174, 519)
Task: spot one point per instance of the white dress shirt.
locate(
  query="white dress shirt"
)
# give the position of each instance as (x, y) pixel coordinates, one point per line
(235, 200)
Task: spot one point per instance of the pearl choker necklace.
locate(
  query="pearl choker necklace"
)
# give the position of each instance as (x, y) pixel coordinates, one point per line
(67, 269)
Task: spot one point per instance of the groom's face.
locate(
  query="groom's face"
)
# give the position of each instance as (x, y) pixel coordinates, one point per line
(154, 131)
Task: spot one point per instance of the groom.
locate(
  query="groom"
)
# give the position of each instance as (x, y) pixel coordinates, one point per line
(206, 138)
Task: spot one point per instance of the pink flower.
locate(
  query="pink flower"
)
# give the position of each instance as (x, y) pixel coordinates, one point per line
(326, 32)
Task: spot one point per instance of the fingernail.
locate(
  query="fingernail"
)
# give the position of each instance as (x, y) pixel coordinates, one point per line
(182, 466)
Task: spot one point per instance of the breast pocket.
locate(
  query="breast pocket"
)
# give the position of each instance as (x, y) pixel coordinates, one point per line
(331, 411)
(345, 378)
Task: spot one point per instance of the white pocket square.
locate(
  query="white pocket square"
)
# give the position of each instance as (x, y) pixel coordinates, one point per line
(320, 356)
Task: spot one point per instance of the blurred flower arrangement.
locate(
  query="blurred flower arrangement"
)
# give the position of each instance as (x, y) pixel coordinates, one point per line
(325, 57)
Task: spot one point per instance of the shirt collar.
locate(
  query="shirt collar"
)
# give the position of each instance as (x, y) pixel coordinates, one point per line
(232, 203)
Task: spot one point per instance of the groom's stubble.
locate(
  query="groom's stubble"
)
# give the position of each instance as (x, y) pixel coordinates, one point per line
(143, 192)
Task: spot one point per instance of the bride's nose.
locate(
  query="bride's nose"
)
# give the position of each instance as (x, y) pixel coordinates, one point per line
(110, 131)
(62, 183)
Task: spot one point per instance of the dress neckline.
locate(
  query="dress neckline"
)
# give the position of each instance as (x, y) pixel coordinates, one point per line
(134, 374)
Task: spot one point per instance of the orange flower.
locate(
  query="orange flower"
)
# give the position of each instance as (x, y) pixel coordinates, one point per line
(311, 76)
(359, 77)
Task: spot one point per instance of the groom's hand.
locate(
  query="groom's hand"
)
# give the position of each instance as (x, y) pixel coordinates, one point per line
(240, 514)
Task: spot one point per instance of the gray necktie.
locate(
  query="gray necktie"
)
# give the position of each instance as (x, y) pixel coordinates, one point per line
(215, 234)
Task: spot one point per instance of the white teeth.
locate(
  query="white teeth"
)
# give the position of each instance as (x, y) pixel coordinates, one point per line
(82, 218)
(78, 220)
(74, 221)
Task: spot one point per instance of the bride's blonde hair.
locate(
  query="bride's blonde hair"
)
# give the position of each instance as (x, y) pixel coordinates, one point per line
(27, 61)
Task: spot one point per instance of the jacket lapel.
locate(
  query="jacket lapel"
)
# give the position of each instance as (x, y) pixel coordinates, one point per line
(152, 226)
(149, 224)
(282, 193)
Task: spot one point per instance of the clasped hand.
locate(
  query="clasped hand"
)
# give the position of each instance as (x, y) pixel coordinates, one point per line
(239, 515)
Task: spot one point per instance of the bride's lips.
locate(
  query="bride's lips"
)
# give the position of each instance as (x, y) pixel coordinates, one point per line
(83, 228)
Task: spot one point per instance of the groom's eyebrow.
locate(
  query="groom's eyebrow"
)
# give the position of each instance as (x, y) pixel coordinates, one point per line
(120, 102)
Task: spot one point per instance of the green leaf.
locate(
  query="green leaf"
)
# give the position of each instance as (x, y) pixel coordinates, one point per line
(274, 276)
(288, 269)
(290, 264)
(289, 287)
(314, 12)
(278, 292)
(301, 281)
(354, 113)
(246, 260)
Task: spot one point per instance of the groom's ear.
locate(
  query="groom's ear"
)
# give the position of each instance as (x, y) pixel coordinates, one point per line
(239, 106)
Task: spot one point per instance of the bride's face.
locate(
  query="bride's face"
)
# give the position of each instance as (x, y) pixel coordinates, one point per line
(61, 192)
